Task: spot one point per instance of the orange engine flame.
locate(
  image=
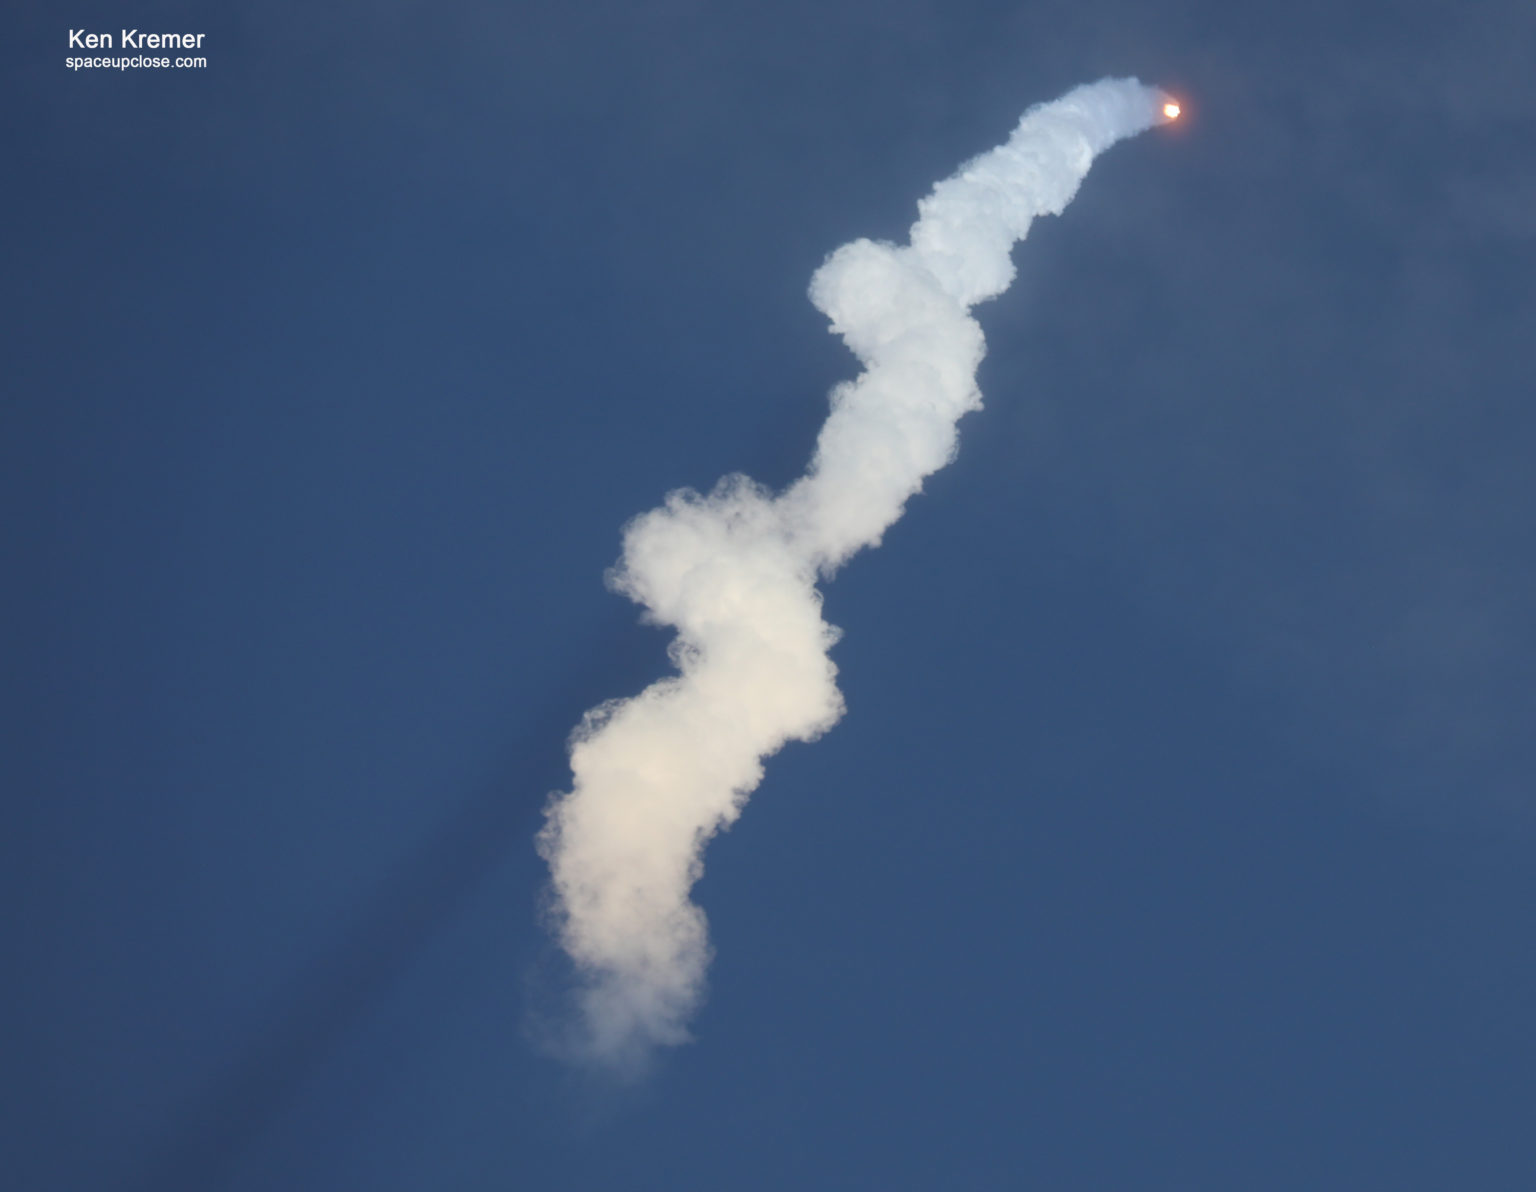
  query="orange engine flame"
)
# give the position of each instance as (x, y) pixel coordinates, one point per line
(1171, 110)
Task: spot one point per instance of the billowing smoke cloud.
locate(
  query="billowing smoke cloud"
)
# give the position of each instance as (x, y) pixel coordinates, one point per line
(735, 572)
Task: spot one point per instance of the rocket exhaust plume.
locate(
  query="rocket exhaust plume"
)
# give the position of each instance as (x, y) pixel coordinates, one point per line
(735, 572)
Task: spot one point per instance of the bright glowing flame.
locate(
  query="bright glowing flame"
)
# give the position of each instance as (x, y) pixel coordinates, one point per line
(1171, 110)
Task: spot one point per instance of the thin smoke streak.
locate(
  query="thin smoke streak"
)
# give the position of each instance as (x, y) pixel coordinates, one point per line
(735, 572)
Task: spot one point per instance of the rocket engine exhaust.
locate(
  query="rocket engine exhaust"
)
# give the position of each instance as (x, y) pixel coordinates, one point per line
(735, 572)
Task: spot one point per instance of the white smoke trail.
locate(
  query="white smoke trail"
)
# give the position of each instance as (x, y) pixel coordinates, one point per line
(735, 571)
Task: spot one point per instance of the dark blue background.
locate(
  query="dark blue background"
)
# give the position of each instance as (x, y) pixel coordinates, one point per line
(1179, 834)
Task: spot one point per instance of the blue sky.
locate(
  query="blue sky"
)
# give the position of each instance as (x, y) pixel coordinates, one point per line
(1179, 831)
